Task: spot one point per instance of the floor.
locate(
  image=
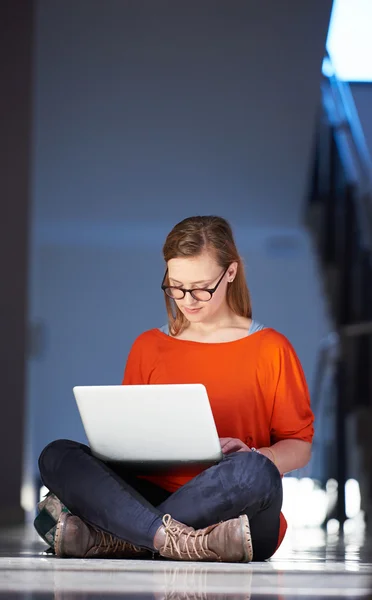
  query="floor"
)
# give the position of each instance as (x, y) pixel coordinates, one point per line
(310, 564)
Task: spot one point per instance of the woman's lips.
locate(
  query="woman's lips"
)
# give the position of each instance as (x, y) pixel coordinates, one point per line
(191, 311)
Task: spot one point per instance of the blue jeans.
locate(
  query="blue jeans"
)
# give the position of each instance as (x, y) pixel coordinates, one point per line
(131, 508)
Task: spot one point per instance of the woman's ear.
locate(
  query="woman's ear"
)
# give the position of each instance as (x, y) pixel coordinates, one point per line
(231, 272)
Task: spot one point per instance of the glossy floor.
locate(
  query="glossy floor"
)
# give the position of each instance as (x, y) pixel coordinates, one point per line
(309, 565)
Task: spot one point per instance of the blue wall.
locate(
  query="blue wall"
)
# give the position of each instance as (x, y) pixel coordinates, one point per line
(145, 113)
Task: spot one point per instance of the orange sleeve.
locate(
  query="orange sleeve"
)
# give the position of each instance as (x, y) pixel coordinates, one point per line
(292, 417)
(134, 368)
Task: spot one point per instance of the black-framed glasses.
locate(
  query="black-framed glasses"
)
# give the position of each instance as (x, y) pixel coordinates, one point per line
(199, 294)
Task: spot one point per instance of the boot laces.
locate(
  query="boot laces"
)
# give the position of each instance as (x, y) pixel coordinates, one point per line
(109, 543)
(179, 541)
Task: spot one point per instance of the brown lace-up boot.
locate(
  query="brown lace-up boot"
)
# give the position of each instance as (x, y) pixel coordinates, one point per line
(229, 541)
(76, 539)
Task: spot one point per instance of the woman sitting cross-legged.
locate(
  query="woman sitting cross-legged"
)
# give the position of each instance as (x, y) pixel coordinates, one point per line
(231, 511)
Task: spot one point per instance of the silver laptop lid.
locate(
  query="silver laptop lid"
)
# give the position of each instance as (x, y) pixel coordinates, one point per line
(159, 425)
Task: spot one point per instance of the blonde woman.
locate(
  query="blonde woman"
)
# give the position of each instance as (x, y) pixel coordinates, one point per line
(231, 511)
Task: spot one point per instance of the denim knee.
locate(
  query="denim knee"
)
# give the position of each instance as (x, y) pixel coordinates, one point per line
(52, 455)
(252, 470)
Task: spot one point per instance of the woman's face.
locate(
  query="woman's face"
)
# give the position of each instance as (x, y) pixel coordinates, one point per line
(200, 272)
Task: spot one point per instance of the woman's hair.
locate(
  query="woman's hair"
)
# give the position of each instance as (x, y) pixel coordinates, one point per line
(193, 236)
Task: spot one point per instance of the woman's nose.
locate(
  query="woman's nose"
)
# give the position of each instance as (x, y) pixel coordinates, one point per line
(188, 299)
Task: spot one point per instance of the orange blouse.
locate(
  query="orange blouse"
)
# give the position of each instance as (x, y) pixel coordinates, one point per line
(256, 386)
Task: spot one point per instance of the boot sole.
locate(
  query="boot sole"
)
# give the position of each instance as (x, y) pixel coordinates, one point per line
(58, 539)
(247, 539)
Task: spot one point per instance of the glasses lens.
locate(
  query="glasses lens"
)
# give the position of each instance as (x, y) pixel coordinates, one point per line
(174, 293)
(202, 295)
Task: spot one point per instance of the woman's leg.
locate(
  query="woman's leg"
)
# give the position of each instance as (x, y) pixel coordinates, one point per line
(97, 494)
(242, 483)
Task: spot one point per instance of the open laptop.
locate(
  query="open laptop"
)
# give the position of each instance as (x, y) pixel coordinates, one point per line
(150, 428)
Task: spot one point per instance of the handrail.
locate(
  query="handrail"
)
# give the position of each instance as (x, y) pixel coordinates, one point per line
(344, 107)
(342, 188)
(342, 114)
(357, 329)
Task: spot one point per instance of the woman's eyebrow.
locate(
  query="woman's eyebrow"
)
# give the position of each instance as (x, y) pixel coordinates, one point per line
(194, 283)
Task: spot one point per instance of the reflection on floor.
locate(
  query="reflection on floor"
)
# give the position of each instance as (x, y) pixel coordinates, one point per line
(309, 565)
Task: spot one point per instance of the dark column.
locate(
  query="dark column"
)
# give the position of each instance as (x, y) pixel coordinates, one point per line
(16, 23)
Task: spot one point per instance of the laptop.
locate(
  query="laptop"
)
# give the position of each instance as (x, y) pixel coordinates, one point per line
(150, 428)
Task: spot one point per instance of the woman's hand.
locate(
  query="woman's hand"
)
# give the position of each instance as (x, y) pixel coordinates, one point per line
(229, 445)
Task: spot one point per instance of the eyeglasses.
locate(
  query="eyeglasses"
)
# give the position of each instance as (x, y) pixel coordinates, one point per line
(200, 294)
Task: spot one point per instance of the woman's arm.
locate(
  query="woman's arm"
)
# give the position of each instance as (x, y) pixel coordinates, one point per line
(291, 422)
(288, 455)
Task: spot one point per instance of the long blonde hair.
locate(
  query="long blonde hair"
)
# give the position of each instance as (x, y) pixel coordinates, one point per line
(195, 235)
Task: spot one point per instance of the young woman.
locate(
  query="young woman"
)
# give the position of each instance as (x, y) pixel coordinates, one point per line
(258, 394)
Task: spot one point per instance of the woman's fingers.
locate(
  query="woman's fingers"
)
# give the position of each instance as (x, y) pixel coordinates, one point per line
(229, 445)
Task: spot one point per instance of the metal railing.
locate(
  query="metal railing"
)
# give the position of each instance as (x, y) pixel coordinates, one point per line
(342, 194)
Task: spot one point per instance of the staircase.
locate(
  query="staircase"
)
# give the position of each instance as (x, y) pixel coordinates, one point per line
(339, 215)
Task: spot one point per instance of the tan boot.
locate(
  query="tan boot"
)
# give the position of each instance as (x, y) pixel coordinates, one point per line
(229, 541)
(74, 538)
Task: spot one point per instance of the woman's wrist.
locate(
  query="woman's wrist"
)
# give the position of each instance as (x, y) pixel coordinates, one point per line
(269, 453)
